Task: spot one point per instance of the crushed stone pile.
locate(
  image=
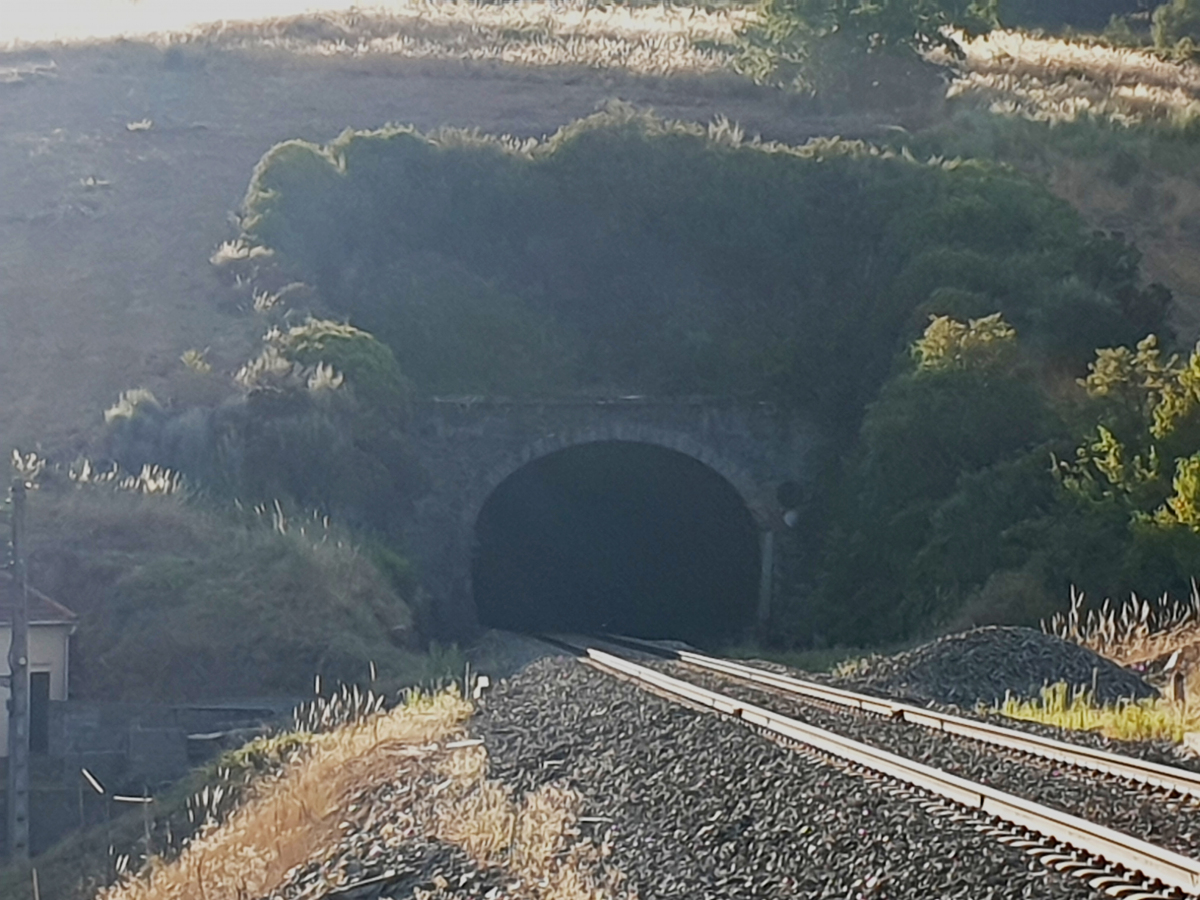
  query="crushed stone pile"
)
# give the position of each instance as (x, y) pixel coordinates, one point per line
(690, 805)
(984, 664)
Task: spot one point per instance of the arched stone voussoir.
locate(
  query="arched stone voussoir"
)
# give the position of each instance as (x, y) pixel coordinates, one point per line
(758, 499)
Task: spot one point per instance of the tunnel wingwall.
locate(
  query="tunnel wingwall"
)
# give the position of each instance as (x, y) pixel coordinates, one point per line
(468, 446)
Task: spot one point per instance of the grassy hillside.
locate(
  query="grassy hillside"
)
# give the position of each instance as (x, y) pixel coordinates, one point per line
(179, 601)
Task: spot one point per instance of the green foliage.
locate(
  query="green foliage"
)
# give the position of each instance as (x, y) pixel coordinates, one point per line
(1176, 26)
(461, 333)
(1141, 463)
(634, 254)
(370, 366)
(1055, 15)
(320, 422)
(811, 45)
(979, 344)
(951, 457)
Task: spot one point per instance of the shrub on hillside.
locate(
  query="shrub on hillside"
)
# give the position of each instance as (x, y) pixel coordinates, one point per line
(1176, 26)
(1054, 15)
(947, 462)
(318, 421)
(643, 255)
(178, 602)
(839, 50)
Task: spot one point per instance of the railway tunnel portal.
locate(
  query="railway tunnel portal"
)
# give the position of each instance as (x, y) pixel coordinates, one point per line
(642, 515)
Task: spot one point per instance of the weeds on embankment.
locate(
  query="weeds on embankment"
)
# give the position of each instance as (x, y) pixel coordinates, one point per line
(295, 814)
(1137, 631)
(1062, 80)
(1133, 720)
(290, 817)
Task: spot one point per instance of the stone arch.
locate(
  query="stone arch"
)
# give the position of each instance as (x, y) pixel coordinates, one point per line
(760, 503)
(675, 525)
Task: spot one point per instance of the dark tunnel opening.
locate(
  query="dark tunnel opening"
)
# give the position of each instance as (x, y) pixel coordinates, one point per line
(617, 536)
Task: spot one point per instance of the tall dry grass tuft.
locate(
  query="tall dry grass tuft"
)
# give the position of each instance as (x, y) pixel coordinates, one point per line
(658, 38)
(291, 818)
(535, 838)
(1060, 80)
(1138, 631)
(1160, 639)
(342, 782)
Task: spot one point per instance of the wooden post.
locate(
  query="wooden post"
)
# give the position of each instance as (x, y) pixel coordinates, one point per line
(18, 690)
(766, 581)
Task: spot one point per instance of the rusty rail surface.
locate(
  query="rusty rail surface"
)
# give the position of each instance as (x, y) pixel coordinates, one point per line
(1132, 854)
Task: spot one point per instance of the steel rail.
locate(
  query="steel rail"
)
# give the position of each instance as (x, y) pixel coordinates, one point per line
(1169, 778)
(1133, 854)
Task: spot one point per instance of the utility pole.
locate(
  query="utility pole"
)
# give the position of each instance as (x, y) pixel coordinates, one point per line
(18, 689)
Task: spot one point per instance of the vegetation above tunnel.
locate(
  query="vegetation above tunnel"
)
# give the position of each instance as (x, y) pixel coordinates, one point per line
(632, 253)
(635, 254)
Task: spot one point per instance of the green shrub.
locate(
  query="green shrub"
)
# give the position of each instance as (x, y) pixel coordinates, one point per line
(950, 456)
(1055, 15)
(630, 253)
(840, 47)
(319, 421)
(1176, 26)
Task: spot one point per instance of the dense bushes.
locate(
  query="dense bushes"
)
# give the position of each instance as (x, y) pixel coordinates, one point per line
(1081, 15)
(639, 255)
(1177, 26)
(840, 50)
(951, 455)
(630, 254)
(978, 495)
(317, 417)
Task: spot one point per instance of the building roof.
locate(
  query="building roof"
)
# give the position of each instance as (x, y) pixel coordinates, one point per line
(42, 610)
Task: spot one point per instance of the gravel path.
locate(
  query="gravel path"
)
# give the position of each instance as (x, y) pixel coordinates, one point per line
(1141, 812)
(700, 807)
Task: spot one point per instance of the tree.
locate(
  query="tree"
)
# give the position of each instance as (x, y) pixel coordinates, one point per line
(1177, 26)
(807, 44)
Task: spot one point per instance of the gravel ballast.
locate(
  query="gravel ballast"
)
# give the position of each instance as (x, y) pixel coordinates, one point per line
(696, 806)
(1142, 812)
(984, 665)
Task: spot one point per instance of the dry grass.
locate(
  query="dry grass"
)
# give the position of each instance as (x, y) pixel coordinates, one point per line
(302, 814)
(1046, 79)
(1138, 631)
(535, 838)
(655, 39)
(658, 40)
(1142, 635)
(1058, 80)
(292, 817)
(1141, 720)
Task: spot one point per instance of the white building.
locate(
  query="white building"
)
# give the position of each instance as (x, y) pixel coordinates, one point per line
(50, 628)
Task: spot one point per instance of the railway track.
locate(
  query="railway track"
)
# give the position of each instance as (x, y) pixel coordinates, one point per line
(1106, 858)
(1170, 779)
